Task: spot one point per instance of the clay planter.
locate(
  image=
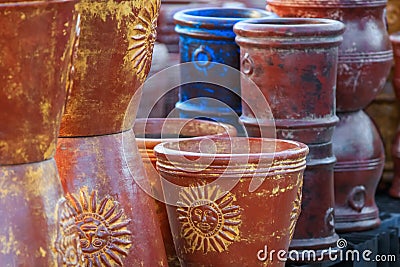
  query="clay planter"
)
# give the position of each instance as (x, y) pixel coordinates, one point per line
(211, 228)
(293, 62)
(99, 162)
(36, 40)
(365, 56)
(360, 164)
(206, 36)
(395, 188)
(152, 132)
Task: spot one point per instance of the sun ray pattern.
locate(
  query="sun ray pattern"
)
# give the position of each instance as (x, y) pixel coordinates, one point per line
(209, 220)
(294, 215)
(67, 244)
(143, 38)
(102, 227)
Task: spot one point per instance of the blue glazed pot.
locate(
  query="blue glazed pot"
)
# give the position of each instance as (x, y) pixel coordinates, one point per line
(207, 37)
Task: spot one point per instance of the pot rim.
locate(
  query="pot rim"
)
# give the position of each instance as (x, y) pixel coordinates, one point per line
(297, 149)
(25, 3)
(289, 28)
(328, 3)
(141, 124)
(189, 18)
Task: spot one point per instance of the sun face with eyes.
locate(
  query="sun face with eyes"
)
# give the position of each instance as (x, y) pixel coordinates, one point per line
(102, 227)
(209, 220)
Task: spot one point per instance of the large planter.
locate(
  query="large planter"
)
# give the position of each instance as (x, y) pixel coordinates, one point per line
(293, 62)
(214, 227)
(100, 165)
(151, 132)
(365, 59)
(36, 40)
(206, 36)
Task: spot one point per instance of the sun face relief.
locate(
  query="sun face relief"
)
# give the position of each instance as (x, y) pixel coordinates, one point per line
(209, 220)
(102, 227)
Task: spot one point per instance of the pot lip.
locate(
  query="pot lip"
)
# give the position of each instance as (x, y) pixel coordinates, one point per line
(327, 3)
(11, 3)
(298, 149)
(142, 122)
(188, 17)
(289, 27)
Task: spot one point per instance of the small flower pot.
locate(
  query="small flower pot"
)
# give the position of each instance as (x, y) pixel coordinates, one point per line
(153, 131)
(214, 226)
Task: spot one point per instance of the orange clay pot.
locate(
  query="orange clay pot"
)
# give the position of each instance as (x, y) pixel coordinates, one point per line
(100, 165)
(215, 227)
(152, 132)
(37, 225)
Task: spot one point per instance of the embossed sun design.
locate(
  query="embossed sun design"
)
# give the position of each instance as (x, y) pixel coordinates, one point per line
(143, 38)
(102, 228)
(209, 222)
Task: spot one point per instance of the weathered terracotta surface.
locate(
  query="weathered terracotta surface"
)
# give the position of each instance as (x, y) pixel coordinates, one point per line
(36, 40)
(212, 228)
(100, 167)
(98, 179)
(360, 154)
(107, 74)
(293, 62)
(395, 150)
(206, 36)
(151, 132)
(365, 59)
(365, 56)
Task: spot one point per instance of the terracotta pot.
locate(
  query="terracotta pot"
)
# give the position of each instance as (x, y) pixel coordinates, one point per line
(100, 165)
(360, 154)
(365, 56)
(36, 41)
(151, 132)
(213, 227)
(395, 188)
(206, 36)
(293, 62)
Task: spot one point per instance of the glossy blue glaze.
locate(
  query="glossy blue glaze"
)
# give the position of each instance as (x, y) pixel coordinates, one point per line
(206, 36)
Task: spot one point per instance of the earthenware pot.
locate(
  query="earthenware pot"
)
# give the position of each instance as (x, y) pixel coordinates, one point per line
(360, 154)
(99, 162)
(36, 40)
(293, 62)
(395, 188)
(153, 131)
(215, 227)
(365, 59)
(206, 36)
(365, 56)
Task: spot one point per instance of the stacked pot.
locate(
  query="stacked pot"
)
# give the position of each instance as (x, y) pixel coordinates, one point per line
(37, 225)
(365, 58)
(294, 63)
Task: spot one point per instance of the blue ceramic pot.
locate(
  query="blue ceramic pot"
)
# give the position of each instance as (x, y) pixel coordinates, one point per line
(207, 37)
